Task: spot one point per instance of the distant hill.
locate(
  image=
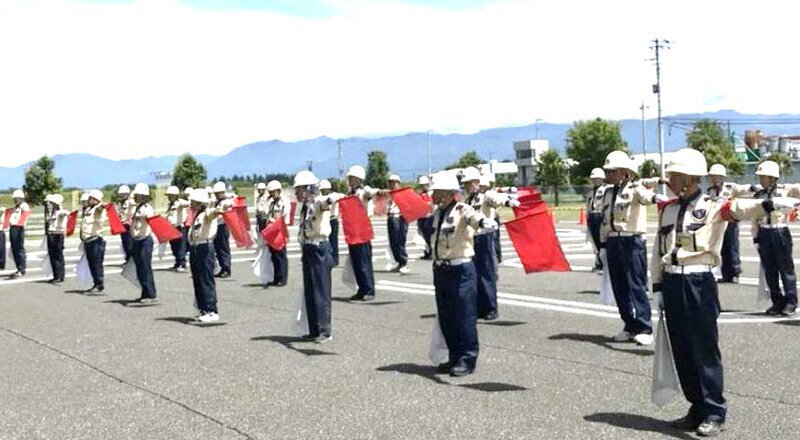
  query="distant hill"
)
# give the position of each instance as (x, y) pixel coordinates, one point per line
(407, 153)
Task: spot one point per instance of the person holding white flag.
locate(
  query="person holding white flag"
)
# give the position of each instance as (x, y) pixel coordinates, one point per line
(56, 228)
(201, 255)
(177, 212)
(19, 215)
(142, 246)
(325, 189)
(91, 235)
(690, 234)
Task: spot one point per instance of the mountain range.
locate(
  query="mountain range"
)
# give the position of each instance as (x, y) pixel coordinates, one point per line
(407, 153)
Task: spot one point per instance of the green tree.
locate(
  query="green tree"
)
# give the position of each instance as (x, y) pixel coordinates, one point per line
(338, 185)
(589, 142)
(377, 169)
(649, 169)
(40, 180)
(725, 155)
(552, 171)
(783, 161)
(188, 172)
(468, 159)
(502, 180)
(708, 137)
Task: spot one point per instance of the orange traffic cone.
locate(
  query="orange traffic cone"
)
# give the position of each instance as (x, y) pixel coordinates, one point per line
(582, 216)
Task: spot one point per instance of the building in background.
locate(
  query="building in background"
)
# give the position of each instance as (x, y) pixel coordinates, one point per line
(497, 168)
(527, 159)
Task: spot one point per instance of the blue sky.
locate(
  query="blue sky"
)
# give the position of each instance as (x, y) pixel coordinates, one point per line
(324, 8)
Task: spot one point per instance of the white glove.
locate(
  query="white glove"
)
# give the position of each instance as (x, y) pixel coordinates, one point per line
(784, 203)
(489, 223)
(661, 198)
(334, 197)
(513, 203)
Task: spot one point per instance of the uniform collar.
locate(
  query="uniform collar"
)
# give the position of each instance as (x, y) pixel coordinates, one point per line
(691, 198)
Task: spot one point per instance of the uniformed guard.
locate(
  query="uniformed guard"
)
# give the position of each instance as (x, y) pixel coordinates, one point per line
(361, 254)
(771, 234)
(56, 228)
(316, 254)
(222, 241)
(397, 229)
(142, 246)
(454, 276)
(623, 229)
(485, 259)
(487, 184)
(19, 214)
(177, 212)
(690, 234)
(326, 189)
(2, 238)
(92, 237)
(731, 266)
(201, 255)
(261, 202)
(425, 224)
(594, 212)
(125, 206)
(84, 202)
(278, 206)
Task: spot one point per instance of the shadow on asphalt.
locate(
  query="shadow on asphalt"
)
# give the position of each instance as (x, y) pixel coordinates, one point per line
(502, 323)
(589, 292)
(289, 341)
(76, 291)
(789, 323)
(254, 285)
(637, 423)
(364, 303)
(432, 373)
(190, 321)
(132, 303)
(428, 316)
(600, 340)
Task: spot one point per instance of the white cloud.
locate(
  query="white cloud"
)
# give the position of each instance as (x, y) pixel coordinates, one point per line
(156, 77)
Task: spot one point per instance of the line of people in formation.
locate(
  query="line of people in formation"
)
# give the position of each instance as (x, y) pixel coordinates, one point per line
(696, 238)
(461, 238)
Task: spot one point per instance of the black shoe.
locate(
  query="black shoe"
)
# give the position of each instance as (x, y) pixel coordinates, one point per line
(368, 298)
(789, 310)
(491, 316)
(461, 370)
(710, 428)
(444, 368)
(309, 337)
(357, 297)
(685, 423)
(774, 311)
(96, 288)
(223, 275)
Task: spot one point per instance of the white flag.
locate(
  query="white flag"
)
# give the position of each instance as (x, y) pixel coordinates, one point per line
(438, 352)
(666, 384)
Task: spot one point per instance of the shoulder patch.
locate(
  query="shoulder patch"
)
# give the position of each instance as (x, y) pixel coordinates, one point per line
(699, 214)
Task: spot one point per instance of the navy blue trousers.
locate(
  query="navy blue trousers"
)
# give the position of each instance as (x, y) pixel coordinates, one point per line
(317, 263)
(775, 250)
(201, 262)
(261, 223)
(95, 254)
(179, 247)
(222, 248)
(2, 249)
(127, 242)
(486, 270)
(627, 266)
(425, 227)
(361, 257)
(691, 307)
(142, 253)
(17, 236)
(593, 222)
(397, 228)
(280, 266)
(731, 263)
(333, 239)
(498, 250)
(456, 292)
(55, 251)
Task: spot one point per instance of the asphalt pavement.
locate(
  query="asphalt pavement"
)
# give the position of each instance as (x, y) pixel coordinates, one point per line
(76, 366)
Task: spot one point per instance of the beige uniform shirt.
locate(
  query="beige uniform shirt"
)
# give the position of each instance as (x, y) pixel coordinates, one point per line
(594, 200)
(57, 221)
(140, 229)
(278, 208)
(92, 222)
(486, 203)
(454, 230)
(2, 217)
(335, 206)
(125, 210)
(16, 213)
(776, 217)
(223, 205)
(204, 227)
(691, 233)
(261, 204)
(366, 194)
(177, 212)
(315, 220)
(730, 190)
(625, 209)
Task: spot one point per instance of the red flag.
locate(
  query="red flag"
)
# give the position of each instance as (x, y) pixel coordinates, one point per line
(163, 229)
(239, 231)
(114, 222)
(291, 213)
(72, 221)
(412, 205)
(7, 219)
(276, 235)
(535, 206)
(190, 218)
(355, 221)
(535, 241)
(23, 217)
(425, 196)
(239, 201)
(380, 205)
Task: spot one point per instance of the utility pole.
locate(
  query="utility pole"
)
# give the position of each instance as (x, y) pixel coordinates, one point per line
(644, 131)
(310, 165)
(340, 158)
(657, 46)
(536, 128)
(430, 170)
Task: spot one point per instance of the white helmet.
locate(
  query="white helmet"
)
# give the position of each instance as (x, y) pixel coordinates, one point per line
(188, 191)
(18, 194)
(470, 173)
(124, 189)
(84, 197)
(56, 199)
(394, 178)
(484, 180)
(220, 187)
(141, 189)
(718, 170)
(199, 195)
(209, 189)
(305, 178)
(173, 191)
(597, 173)
(769, 168)
(619, 159)
(274, 185)
(423, 180)
(261, 185)
(688, 161)
(96, 194)
(445, 181)
(324, 184)
(357, 171)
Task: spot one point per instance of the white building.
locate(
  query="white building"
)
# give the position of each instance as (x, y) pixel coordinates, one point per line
(495, 167)
(527, 158)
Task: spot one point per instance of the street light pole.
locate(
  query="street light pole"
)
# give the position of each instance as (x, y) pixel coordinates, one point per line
(657, 46)
(644, 131)
(429, 153)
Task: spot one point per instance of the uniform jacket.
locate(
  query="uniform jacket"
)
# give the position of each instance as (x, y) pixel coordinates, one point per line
(454, 230)
(278, 208)
(222, 206)
(594, 200)
(57, 221)
(487, 203)
(776, 216)
(315, 220)
(625, 209)
(16, 213)
(139, 227)
(177, 212)
(92, 221)
(204, 227)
